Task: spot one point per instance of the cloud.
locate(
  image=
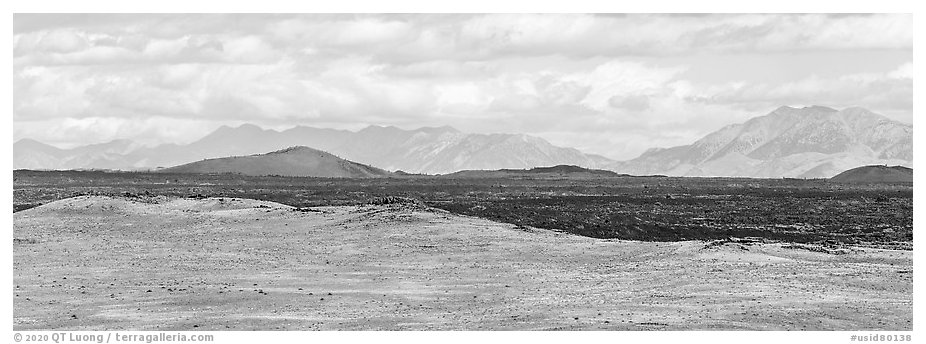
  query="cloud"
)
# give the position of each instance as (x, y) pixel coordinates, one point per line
(904, 71)
(409, 39)
(630, 103)
(248, 49)
(614, 85)
(418, 38)
(892, 90)
(622, 79)
(55, 41)
(71, 48)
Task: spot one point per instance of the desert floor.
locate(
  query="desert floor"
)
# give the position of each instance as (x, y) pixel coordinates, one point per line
(100, 263)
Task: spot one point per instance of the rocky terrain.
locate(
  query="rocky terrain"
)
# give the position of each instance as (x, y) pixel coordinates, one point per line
(815, 211)
(163, 263)
(558, 171)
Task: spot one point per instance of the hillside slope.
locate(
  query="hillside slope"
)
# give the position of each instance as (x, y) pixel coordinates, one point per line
(292, 162)
(559, 171)
(875, 174)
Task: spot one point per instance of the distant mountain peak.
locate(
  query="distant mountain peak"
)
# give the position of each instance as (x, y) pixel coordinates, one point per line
(439, 130)
(246, 127)
(28, 143)
(249, 126)
(812, 141)
(427, 130)
(374, 127)
(819, 108)
(785, 109)
(116, 142)
(244, 130)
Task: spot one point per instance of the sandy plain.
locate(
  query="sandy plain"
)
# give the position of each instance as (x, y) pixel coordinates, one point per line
(105, 263)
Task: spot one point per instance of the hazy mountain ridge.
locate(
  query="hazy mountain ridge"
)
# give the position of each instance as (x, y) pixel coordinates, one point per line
(424, 150)
(810, 142)
(28, 153)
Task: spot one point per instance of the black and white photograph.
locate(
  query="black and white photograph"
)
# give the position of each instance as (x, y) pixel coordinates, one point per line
(190, 176)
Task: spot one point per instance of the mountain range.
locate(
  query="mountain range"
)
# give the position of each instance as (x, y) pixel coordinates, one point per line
(424, 150)
(31, 154)
(808, 142)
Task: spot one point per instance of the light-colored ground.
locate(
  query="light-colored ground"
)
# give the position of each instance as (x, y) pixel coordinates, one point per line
(95, 263)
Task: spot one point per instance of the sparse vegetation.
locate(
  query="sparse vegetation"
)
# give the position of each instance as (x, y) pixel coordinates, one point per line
(394, 200)
(638, 208)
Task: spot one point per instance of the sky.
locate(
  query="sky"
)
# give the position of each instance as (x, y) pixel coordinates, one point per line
(609, 84)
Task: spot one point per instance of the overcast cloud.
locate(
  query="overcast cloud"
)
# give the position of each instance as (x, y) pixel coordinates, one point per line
(608, 84)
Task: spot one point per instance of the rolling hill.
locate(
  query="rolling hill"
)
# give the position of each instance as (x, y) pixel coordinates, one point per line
(291, 162)
(559, 171)
(875, 174)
